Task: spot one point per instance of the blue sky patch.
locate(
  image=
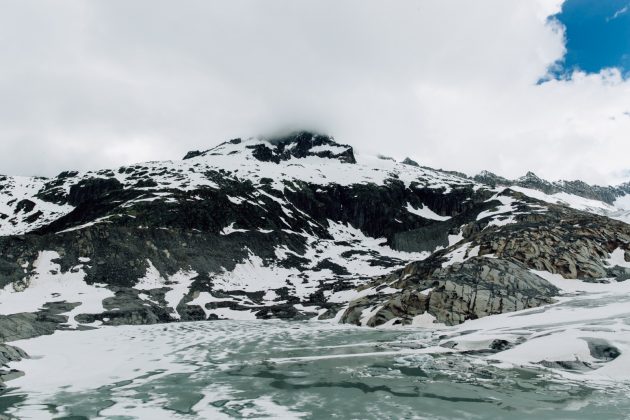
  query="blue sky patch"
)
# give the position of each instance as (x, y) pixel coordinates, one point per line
(597, 36)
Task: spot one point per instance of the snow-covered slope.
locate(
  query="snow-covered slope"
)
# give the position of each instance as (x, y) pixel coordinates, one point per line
(21, 210)
(29, 203)
(290, 227)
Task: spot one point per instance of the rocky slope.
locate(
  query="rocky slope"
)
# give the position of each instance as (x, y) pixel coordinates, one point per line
(493, 269)
(296, 227)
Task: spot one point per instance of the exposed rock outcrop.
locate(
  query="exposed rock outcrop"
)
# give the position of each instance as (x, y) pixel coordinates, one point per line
(9, 354)
(472, 289)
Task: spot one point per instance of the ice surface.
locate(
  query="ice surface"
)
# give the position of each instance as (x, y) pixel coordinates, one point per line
(272, 369)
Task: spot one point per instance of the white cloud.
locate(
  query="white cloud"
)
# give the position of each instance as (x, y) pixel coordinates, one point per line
(449, 82)
(618, 13)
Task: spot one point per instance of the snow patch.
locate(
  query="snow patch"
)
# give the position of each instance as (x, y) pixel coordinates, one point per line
(179, 283)
(569, 200)
(231, 229)
(47, 283)
(505, 207)
(617, 258)
(335, 150)
(426, 213)
(461, 254)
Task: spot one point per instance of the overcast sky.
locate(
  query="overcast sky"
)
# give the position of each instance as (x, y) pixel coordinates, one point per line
(453, 84)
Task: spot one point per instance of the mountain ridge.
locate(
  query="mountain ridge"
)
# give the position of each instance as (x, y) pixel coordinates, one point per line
(608, 194)
(258, 229)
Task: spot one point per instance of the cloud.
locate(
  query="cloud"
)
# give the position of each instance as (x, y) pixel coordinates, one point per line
(618, 13)
(450, 83)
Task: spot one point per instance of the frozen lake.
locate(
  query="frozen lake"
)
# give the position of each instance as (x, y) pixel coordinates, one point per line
(568, 360)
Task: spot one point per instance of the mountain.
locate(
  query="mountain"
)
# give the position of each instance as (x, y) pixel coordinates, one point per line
(293, 227)
(607, 194)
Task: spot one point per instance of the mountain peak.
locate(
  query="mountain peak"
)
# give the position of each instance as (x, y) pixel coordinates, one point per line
(302, 144)
(490, 178)
(530, 176)
(409, 161)
(299, 144)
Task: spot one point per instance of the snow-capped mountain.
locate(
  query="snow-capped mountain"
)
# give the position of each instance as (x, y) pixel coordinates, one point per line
(294, 227)
(570, 193)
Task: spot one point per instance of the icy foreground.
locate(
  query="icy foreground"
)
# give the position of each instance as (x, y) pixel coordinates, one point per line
(552, 362)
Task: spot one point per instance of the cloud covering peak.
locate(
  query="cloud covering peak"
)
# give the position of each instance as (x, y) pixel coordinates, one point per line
(451, 83)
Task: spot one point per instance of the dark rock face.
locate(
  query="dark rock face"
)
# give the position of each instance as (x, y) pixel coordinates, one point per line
(25, 206)
(303, 144)
(92, 190)
(411, 162)
(192, 154)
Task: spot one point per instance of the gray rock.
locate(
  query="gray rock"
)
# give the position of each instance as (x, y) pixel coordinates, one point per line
(27, 325)
(11, 354)
(411, 162)
(576, 365)
(7, 375)
(602, 349)
(475, 288)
